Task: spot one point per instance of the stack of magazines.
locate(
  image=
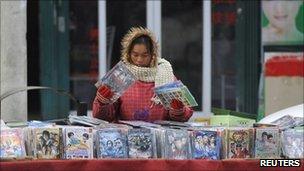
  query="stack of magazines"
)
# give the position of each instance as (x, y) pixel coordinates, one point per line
(118, 79)
(175, 90)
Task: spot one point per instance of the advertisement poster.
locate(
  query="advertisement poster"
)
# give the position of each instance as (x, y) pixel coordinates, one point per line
(282, 22)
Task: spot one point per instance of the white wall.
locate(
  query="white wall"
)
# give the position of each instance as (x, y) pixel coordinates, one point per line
(13, 59)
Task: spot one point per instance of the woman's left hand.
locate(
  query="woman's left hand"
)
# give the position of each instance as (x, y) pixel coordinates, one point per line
(176, 104)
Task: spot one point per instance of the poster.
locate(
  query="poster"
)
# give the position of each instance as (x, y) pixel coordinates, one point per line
(282, 22)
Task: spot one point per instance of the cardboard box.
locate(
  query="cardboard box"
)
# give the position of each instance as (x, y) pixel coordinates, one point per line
(227, 118)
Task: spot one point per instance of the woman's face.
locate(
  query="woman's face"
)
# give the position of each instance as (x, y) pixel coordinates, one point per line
(281, 14)
(140, 56)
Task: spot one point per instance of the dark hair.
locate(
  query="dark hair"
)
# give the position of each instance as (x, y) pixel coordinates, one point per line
(85, 135)
(70, 134)
(269, 136)
(46, 133)
(145, 40)
(238, 145)
(264, 133)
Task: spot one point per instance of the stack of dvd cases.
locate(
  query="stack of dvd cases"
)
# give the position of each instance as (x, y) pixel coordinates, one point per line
(176, 144)
(292, 143)
(206, 144)
(267, 143)
(141, 143)
(240, 142)
(111, 143)
(47, 143)
(12, 143)
(78, 143)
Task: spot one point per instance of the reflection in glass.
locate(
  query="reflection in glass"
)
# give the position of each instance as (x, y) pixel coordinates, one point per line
(223, 54)
(182, 42)
(83, 50)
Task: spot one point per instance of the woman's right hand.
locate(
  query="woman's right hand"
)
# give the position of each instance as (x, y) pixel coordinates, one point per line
(104, 94)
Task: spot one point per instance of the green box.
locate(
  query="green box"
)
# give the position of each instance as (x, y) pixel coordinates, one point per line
(228, 118)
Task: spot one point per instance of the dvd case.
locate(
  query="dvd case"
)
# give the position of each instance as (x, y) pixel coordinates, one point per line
(206, 144)
(240, 143)
(78, 143)
(177, 144)
(86, 121)
(47, 143)
(141, 143)
(292, 143)
(175, 90)
(12, 143)
(111, 143)
(118, 79)
(267, 143)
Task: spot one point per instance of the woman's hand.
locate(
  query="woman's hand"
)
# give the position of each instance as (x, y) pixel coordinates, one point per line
(104, 94)
(176, 104)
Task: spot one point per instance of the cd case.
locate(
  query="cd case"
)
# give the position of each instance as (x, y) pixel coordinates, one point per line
(47, 143)
(141, 143)
(292, 142)
(240, 143)
(206, 144)
(267, 143)
(177, 144)
(12, 143)
(118, 79)
(112, 143)
(175, 90)
(78, 143)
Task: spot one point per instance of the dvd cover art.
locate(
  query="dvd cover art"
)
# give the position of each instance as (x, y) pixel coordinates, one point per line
(292, 143)
(119, 78)
(222, 137)
(140, 142)
(112, 144)
(78, 143)
(206, 145)
(239, 143)
(175, 90)
(12, 143)
(177, 144)
(267, 143)
(47, 142)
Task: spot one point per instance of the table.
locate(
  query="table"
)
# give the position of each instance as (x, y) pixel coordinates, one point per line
(139, 164)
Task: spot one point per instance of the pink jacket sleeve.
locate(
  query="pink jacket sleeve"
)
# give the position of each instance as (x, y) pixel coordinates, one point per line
(106, 112)
(181, 115)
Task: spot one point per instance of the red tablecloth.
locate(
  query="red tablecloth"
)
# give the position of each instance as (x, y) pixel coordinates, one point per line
(129, 164)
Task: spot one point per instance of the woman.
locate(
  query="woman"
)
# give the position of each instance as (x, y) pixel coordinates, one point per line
(282, 21)
(140, 54)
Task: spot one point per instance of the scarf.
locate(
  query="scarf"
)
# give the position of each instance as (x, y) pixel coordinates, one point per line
(160, 75)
